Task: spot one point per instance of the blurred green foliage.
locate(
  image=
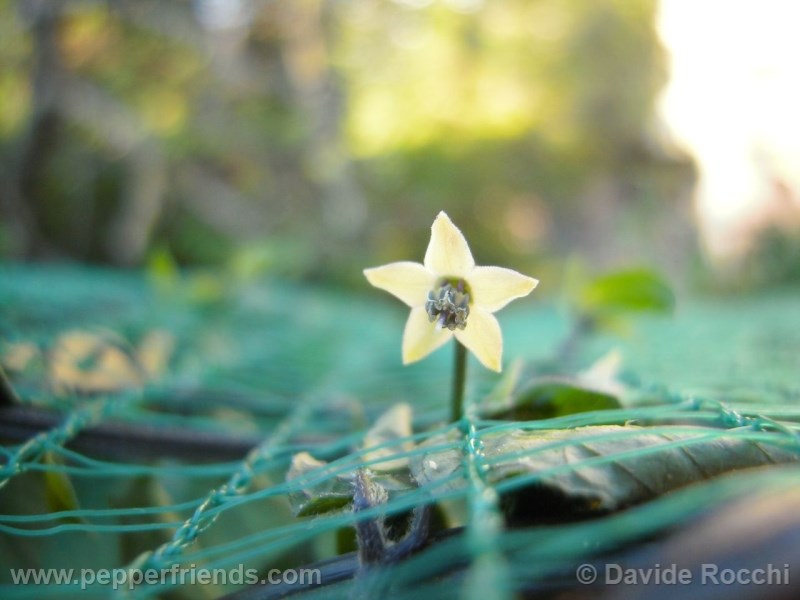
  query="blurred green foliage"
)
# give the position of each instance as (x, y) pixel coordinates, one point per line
(633, 290)
(314, 138)
(607, 302)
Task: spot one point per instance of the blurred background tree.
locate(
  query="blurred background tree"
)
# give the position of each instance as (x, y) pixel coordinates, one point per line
(316, 137)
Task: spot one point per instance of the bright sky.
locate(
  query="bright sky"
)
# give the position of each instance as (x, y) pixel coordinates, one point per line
(733, 103)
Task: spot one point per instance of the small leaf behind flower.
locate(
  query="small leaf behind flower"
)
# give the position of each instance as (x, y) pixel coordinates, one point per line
(554, 397)
(632, 290)
(597, 388)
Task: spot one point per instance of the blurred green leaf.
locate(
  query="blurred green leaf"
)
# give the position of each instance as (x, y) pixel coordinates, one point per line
(59, 493)
(634, 290)
(552, 397)
(282, 255)
(161, 264)
(546, 397)
(162, 268)
(208, 288)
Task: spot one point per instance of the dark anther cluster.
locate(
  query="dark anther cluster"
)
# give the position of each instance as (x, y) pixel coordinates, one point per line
(449, 306)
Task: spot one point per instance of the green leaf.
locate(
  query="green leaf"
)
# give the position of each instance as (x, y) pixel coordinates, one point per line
(333, 493)
(323, 503)
(162, 268)
(555, 397)
(596, 388)
(597, 469)
(59, 493)
(336, 491)
(632, 290)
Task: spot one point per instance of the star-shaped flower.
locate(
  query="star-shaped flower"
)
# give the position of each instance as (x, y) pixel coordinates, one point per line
(450, 296)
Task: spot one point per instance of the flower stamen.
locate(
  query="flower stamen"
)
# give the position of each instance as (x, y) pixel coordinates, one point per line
(448, 305)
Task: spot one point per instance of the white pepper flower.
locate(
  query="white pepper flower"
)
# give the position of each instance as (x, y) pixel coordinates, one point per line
(450, 296)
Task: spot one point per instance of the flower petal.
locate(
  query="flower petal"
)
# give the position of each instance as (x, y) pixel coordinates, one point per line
(408, 281)
(421, 337)
(448, 253)
(483, 338)
(494, 287)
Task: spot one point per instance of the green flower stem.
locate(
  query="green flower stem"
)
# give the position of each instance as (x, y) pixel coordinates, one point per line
(459, 380)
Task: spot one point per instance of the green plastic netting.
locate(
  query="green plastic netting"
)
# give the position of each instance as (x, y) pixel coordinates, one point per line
(292, 368)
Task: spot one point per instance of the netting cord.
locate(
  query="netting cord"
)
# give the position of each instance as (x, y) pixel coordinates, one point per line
(77, 420)
(170, 552)
(488, 572)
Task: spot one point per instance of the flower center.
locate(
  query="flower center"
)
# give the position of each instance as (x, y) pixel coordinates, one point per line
(448, 304)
